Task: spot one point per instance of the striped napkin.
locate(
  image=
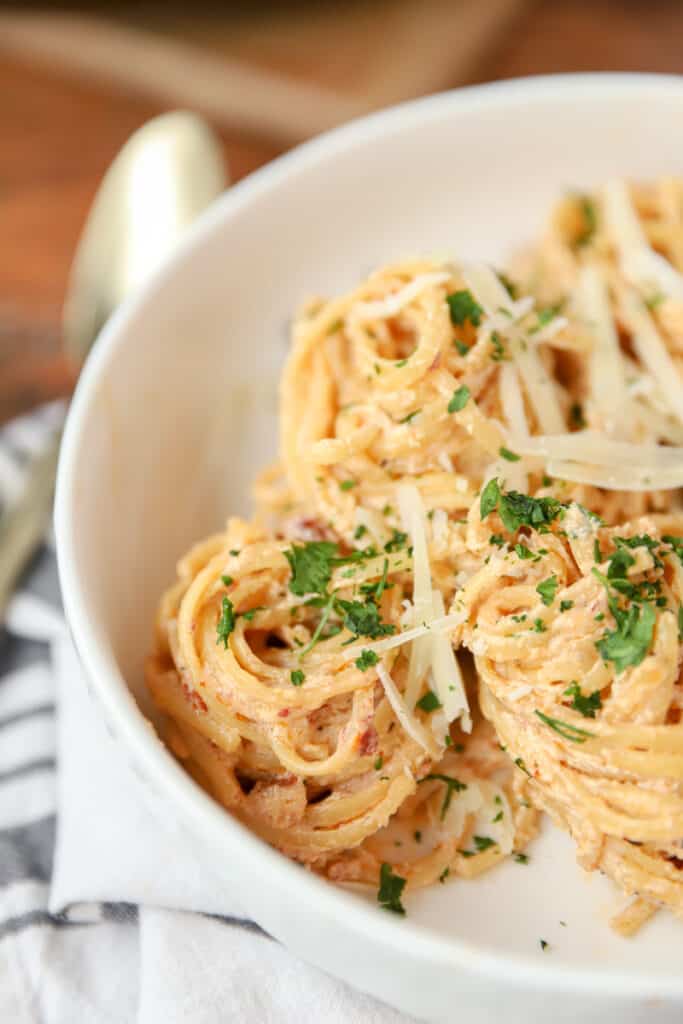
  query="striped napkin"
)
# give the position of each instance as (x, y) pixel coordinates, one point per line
(108, 912)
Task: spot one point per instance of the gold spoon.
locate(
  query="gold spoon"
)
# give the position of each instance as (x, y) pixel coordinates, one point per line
(165, 175)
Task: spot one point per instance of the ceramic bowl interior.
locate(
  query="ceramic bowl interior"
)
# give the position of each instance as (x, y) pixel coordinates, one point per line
(177, 409)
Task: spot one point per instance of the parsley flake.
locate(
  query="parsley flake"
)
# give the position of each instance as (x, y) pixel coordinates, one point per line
(311, 566)
(460, 399)
(505, 453)
(452, 784)
(564, 729)
(547, 590)
(366, 660)
(391, 887)
(428, 702)
(297, 677)
(462, 307)
(586, 706)
(226, 622)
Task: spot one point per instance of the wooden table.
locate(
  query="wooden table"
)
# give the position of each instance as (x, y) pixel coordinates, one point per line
(59, 133)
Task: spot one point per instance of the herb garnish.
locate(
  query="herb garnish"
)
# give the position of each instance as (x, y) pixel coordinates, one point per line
(505, 453)
(460, 399)
(297, 677)
(366, 660)
(564, 729)
(517, 509)
(462, 307)
(566, 605)
(498, 354)
(391, 887)
(311, 566)
(226, 622)
(586, 706)
(452, 784)
(547, 590)
(428, 702)
(362, 619)
(483, 843)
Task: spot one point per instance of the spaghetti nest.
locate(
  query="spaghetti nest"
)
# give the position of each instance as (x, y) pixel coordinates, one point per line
(279, 665)
(575, 629)
(409, 377)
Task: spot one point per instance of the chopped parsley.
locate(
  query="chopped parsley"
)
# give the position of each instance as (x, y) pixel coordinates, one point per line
(564, 729)
(547, 590)
(346, 485)
(428, 702)
(498, 349)
(462, 348)
(297, 677)
(576, 417)
(311, 566)
(544, 944)
(359, 532)
(391, 887)
(252, 612)
(497, 539)
(362, 619)
(444, 874)
(522, 551)
(586, 706)
(462, 307)
(539, 626)
(483, 843)
(226, 580)
(366, 660)
(630, 641)
(509, 286)
(411, 416)
(379, 761)
(226, 622)
(460, 399)
(505, 453)
(544, 317)
(565, 606)
(521, 858)
(397, 541)
(498, 817)
(590, 220)
(234, 552)
(517, 509)
(522, 767)
(452, 784)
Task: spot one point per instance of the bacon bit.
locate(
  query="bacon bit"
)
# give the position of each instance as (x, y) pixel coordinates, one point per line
(287, 780)
(284, 713)
(369, 741)
(307, 529)
(195, 699)
(436, 361)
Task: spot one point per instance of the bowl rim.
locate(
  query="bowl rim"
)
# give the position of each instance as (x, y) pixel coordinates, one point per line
(521, 971)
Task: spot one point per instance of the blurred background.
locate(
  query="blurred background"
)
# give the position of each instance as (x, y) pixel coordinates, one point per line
(76, 80)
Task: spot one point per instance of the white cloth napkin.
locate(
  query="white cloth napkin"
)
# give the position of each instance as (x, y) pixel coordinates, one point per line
(130, 922)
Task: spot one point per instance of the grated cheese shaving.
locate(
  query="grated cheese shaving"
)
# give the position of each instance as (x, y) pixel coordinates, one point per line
(410, 723)
(382, 309)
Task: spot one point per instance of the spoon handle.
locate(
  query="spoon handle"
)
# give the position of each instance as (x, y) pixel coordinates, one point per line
(24, 522)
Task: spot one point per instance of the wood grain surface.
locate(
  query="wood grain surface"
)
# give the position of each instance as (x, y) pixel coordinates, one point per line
(60, 131)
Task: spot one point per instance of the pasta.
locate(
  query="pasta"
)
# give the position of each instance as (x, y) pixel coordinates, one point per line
(458, 602)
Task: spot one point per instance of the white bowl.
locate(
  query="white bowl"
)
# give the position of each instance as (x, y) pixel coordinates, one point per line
(176, 409)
